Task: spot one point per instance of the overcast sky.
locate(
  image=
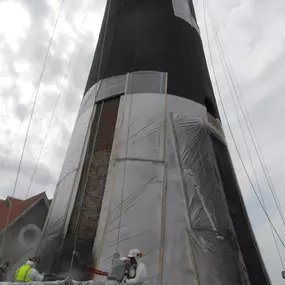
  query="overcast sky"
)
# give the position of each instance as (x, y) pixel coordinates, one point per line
(253, 35)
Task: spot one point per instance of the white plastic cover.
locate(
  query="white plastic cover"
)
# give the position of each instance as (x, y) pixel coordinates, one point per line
(111, 87)
(60, 211)
(164, 195)
(182, 10)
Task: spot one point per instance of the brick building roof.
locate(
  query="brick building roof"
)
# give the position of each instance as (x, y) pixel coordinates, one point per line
(17, 208)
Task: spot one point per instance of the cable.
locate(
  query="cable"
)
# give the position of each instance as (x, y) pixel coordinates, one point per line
(29, 125)
(248, 151)
(63, 116)
(81, 202)
(56, 105)
(56, 144)
(254, 138)
(20, 124)
(273, 192)
(227, 121)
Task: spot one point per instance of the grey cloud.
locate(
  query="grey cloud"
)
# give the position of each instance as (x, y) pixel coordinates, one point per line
(27, 168)
(21, 111)
(8, 176)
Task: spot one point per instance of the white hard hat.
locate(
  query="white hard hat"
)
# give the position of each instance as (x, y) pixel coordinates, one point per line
(135, 253)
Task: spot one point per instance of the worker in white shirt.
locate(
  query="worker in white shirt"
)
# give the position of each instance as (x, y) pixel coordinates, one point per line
(137, 272)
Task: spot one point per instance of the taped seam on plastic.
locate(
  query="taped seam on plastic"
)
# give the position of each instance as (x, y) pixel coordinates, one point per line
(63, 178)
(203, 202)
(128, 133)
(176, 149)
(164, 184)
(139, 159)
(115, 175)
(152, 131)
(130, 200)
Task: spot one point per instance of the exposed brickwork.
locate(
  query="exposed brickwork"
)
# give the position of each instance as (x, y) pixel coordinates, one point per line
(91, 189)
(94, 194)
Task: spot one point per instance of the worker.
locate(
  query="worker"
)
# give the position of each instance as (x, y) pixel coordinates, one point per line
(28, 273)
(3, 270)
(137, 271)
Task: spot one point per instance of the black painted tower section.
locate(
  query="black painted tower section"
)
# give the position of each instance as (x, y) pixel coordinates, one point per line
(139, 35)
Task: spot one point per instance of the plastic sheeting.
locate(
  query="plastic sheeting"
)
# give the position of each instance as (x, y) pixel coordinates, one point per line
(111, 87)
(62, 205)
(164, 196)
(163, 193)
(135, 82)
(182, 10)
(61, 209)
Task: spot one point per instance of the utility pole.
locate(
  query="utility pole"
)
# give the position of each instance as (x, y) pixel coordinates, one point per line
(148, 166)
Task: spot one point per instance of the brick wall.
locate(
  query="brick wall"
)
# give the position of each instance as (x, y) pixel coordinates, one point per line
(86, 210)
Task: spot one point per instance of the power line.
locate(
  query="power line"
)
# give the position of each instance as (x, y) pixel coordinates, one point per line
(273, 191)
(248, 151)
(56, 105)
(20, 124)
(56, 144)
(226, 117)
(250, 126)
(64, 112)
(29, 125)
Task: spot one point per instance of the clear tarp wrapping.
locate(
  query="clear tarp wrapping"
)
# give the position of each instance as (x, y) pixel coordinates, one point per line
(67, 185)
(164, 195)
(163, 192)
